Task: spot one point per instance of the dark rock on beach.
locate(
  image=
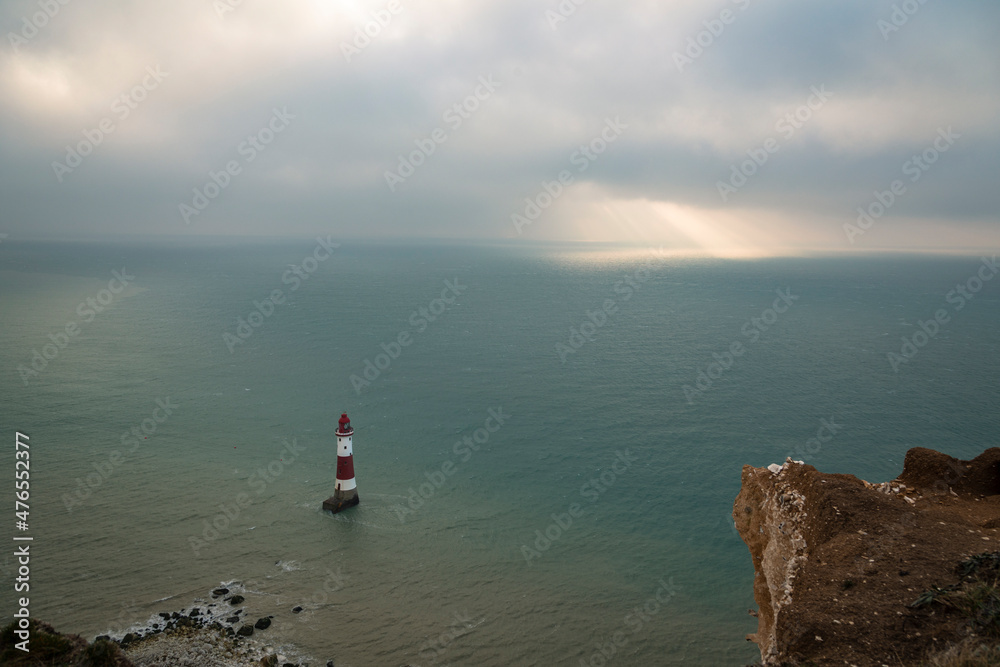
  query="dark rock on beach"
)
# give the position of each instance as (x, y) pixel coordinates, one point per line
(218, 592)
(236, 599)
(262, 624)
(296, 610)
(245, 631)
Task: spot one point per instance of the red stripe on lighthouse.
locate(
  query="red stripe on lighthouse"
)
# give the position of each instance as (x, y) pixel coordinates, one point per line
(345, 467)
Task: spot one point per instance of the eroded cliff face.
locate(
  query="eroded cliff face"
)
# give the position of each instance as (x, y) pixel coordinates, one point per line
(837, 560)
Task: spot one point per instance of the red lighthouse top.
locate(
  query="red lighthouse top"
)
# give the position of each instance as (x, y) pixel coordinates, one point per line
(345, 425)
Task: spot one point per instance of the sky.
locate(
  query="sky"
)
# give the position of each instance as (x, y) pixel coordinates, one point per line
(732, 127)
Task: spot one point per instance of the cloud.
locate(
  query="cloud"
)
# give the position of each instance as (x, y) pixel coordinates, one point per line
(364, 101)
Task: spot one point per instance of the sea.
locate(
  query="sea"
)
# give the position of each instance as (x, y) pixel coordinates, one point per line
(548, 439)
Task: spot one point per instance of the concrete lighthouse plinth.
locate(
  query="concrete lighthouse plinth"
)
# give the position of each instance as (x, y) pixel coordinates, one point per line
(334, 504)
(345, 493)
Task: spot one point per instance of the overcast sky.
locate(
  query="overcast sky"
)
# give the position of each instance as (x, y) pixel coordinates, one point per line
(675, 95)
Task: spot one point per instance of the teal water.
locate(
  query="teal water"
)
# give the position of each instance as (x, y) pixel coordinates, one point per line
(450, 581)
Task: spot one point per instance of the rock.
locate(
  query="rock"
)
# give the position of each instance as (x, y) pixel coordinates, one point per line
(262, 624)
(269, 661)
(218, 592)
(329, 663)
(245, 631)
(128, 639)
(195, 612)
(236, 599)
(296, 610)
(165, 615)
(829, 547)
(233, 619)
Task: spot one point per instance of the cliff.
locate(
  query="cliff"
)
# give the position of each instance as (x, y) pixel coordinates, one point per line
(840, 563)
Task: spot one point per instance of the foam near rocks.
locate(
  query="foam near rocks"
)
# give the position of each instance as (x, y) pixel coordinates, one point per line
(217, 632)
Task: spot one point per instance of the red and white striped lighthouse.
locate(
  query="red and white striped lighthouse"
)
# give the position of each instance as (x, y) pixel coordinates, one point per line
(346, 492)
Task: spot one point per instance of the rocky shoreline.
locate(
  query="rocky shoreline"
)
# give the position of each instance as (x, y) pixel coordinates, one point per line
(217, 632)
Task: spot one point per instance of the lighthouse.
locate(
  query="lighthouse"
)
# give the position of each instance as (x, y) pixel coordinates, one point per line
(346, 492)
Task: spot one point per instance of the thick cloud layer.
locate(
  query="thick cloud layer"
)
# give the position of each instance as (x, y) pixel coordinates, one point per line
(738, 127)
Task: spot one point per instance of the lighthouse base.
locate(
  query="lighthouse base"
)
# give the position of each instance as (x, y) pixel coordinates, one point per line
(335, 504)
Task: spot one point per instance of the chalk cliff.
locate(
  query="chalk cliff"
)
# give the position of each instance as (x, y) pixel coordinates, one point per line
(839, 561)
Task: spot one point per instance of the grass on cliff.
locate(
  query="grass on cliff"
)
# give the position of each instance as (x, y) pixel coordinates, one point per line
(976, 600)
(49, 648)
(968, 653)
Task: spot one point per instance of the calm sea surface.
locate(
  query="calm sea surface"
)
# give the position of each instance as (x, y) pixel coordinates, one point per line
(627, 477)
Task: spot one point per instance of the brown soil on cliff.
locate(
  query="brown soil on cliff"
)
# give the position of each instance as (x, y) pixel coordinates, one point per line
(838, 561)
